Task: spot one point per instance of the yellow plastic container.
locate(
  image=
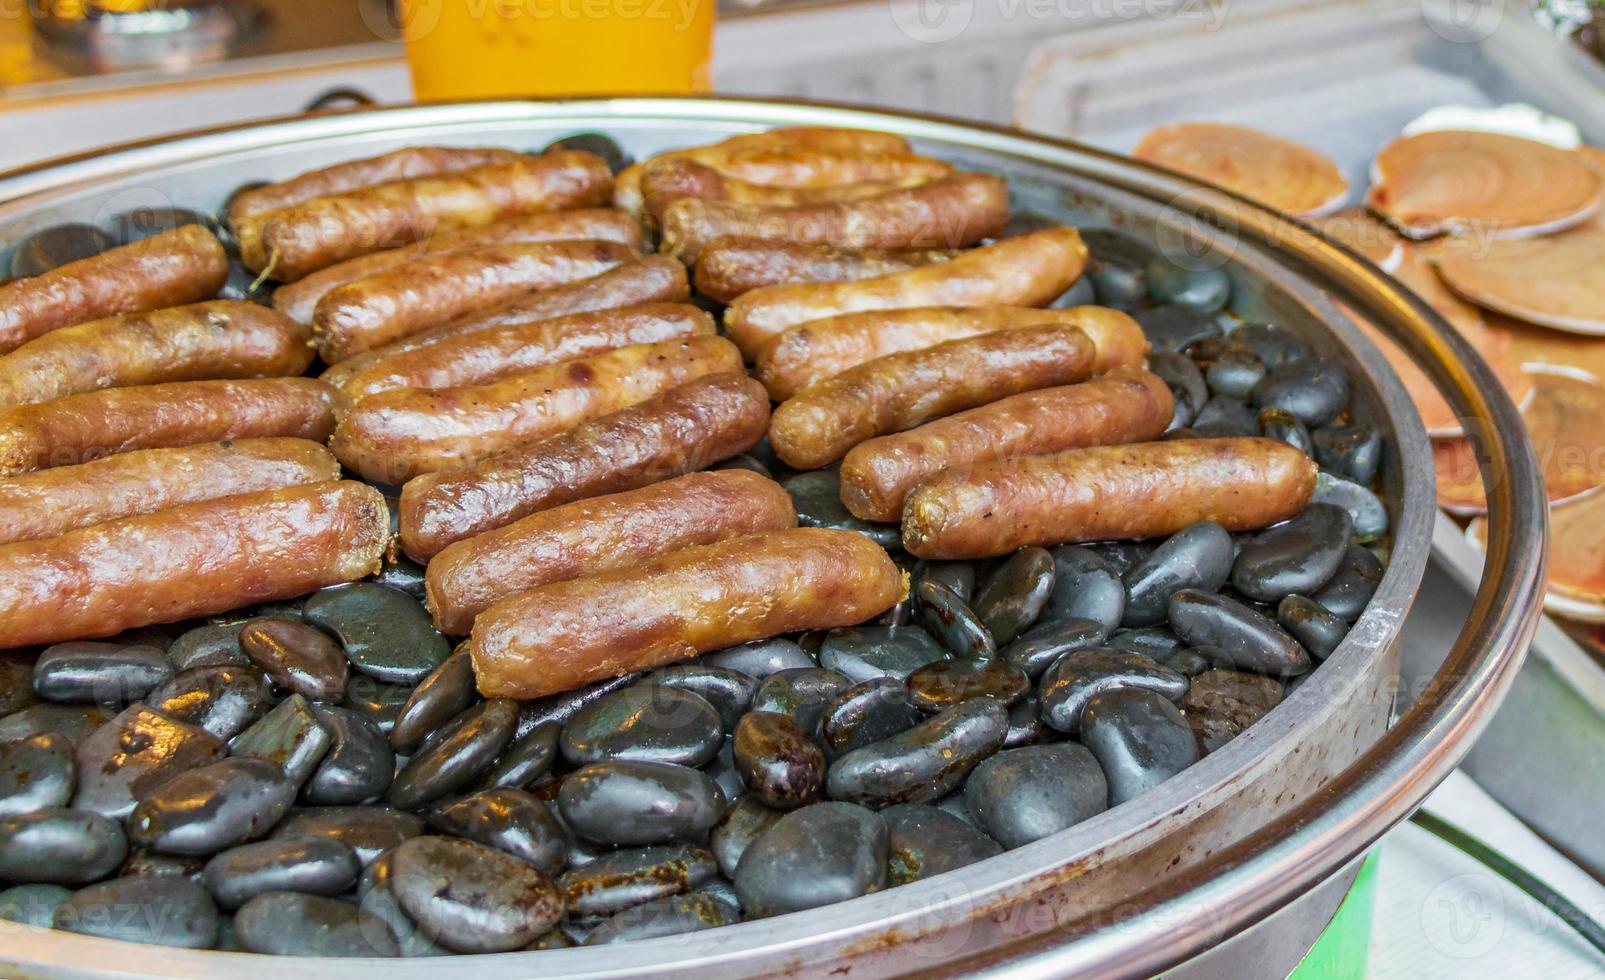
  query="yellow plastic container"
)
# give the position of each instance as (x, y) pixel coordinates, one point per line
(16, 44)
(487, 48)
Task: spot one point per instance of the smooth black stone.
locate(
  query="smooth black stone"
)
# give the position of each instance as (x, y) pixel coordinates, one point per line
(1176, 328)
(1078, 677)
(866, 713)
(1315, 390)
(138, 224)
(674, 916)
(378, 701)
(55, 246)
(442, 695)
(290, 736)
(1365, 509)
(1196, 557)
(1117, 284)
(729, 691)
(367, 830)
(1086, 586)
(743, 461)
(1220, 704)
(404, 575)
(32, 905)
(600, 144)
(163, 911)
(1353, 452)
(1038, 647)
(211, 645)
(36, 772)
(760, 658)
(1025, 794)
(1346, 594)
(212, 808)
(946, 617)
(89, 672)
(1318, 630)
(863, 653)
(1153, 642)
(1025, 725)
(1277, 347)
(777, 760)
(1235, 374)
(16, 682)
(923, 841)
(58, 846)
(147, 862)
(132, 755)
(923, 763)
(472, 898)
(1284, 426)
(633, 803)
(1298, 555)
(386, 634)
(462, 752)
(645, 722)
(1015, 594)
(526, 760)
(316, 866)
(624, 879)
(1139, 738)
(803, 693)
(941, 685)
(72, 721)
(560, 708)
(509, 820)
(299, 658)
(378, 900)
(742, 825)
(1080, 293)
(1122, 556)
(291, 923)
(1222, 416)
(1244, 638)
(223, 700)
(958, 576)
(1181, 373)
(358, 766)
(1187, 661)
(824, 853)
(817, 495)
(1206, 290)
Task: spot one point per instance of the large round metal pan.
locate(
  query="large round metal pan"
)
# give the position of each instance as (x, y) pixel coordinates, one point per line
(1142, 887)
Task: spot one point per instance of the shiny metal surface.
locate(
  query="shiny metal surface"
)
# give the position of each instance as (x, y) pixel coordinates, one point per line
(1135, 890)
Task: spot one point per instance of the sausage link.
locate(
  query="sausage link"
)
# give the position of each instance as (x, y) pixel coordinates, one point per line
(179, 266)
(729, 267)
(811, 352)
(567, 634)
(434, 289)
(407, 163)
(819, 424)
(217, 339)
(396, 435)
(950, 212)
(79, 428)
(619, 530)
(51, 502)
(665, 181)
(189, 561)
(680, 431)
(1146, 490)
(1026, 270)
(500, 352)
(297, 300)
(290, 242)
(1126, 405)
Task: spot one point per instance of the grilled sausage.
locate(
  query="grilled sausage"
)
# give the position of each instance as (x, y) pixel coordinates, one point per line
(649, 280)
(665, 181)
(1125, 405)
(680, 431)
(1026, 270)
(729, 267)
(396, 435)
(217, 339)
(500, 352)
(434, 289)
(51, 502)
(619, 530)
(561, 636)
(192, 560)
(79, 428)
(353, 175)
(811, 352)
(821, 423)
(179, 266)
(950, 212)
(1145, 490)
(297, 300)
(290, 242)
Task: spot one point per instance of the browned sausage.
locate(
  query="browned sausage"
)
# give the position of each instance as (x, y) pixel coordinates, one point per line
(950, 212)
(290, 242)
(649, 280)
(218, 339)
(819, 424)
(811, 352)
(1126, 405)
(1146, 490)
(79, 428)
(178, 266)
(433, 289)
(404, 164)
(395, 435)
(619, 530)
(500, 352)
(665, 181)
(680, 431)
(192, 560)
(561, 636)
(297, 300)
(729, 267)
(51, 502)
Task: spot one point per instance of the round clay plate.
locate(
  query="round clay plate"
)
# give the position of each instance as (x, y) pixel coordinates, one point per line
(1277, 173)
